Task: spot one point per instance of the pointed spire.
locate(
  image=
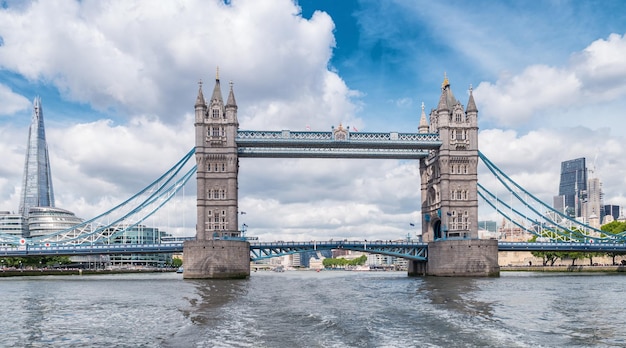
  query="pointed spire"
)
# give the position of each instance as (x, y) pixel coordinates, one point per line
(471, 104)
(200, 99)
(217, 90)
(447, 99)
(443, 105)
(231, 97)
(423, 127)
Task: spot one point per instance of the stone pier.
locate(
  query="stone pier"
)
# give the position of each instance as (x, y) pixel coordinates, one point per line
(216, 259)
(459, 258)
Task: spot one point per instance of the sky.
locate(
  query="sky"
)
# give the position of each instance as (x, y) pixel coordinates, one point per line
(118, 82)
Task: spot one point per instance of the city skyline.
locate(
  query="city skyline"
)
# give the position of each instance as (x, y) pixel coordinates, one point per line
(544, 96)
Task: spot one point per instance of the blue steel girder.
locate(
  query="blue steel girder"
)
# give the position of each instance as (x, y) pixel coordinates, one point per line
(407, 250)
(288, 144)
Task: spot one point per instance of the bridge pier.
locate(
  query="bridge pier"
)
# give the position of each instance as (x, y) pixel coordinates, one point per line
(216, 259)
(459, 258)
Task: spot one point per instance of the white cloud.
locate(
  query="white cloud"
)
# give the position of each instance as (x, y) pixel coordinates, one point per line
(144, 58)
(542, 95)
(533, 160)
(11, 102)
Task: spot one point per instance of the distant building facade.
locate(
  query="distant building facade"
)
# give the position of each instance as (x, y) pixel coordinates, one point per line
(614, 211)
(139, 234)
(11, 223)
(593, 204)
(46, 220)
(573, 186)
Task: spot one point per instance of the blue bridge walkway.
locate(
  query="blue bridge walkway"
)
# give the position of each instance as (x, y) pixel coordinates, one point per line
(265, 250)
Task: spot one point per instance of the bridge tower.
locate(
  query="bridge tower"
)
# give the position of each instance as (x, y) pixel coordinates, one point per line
(218, 251)
(449, 177)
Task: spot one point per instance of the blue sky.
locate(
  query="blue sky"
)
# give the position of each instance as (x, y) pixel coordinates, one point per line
(118, 81)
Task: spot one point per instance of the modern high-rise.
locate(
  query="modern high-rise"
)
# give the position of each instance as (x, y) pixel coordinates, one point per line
(37, 182)
(573, 186)
(594, 199)
(613, 210)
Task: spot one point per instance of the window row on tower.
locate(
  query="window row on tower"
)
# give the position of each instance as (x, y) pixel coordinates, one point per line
(216, 194)
(217, 131)
(459, 222)
(459, 195)
(216, 167)
(459, 169)
(216, 221)
(459, 134)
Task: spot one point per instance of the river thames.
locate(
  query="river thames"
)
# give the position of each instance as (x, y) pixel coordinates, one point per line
(310, 309)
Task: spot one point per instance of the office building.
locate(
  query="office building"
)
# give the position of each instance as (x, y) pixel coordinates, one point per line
(611, 210)
(573, 186)
(138, 234)
(593, 204)
(46, 220)
(11, 223)
(37, 182)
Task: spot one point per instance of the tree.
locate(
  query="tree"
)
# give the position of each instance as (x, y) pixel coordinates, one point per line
(612, 228)
(176, 262)
(591, 255)
(35, 261)
(546, 257)
(574, 255)
(341, 262)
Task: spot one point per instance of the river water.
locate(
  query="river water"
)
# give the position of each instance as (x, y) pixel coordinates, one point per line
(310, 309)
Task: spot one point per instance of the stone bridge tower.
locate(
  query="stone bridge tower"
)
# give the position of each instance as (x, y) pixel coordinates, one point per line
(449, 177)
(449, 174)
(216, 156)
(218, 251)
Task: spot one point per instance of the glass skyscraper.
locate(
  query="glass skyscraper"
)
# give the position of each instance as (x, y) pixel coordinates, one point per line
(37, 182)
(573, 185)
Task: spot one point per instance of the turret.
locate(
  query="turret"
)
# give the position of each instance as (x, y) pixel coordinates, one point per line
(231, 106)
(472, 110)
(217, 103)
(446, 102)
(200, 105)
(423, 127)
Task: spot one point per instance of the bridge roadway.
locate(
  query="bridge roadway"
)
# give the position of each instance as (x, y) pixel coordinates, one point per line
(264, 250)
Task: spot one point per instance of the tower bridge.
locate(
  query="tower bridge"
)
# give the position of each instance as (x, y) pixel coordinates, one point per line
(446, 146)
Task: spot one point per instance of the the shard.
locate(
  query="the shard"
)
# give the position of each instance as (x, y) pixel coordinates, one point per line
(37, 182)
